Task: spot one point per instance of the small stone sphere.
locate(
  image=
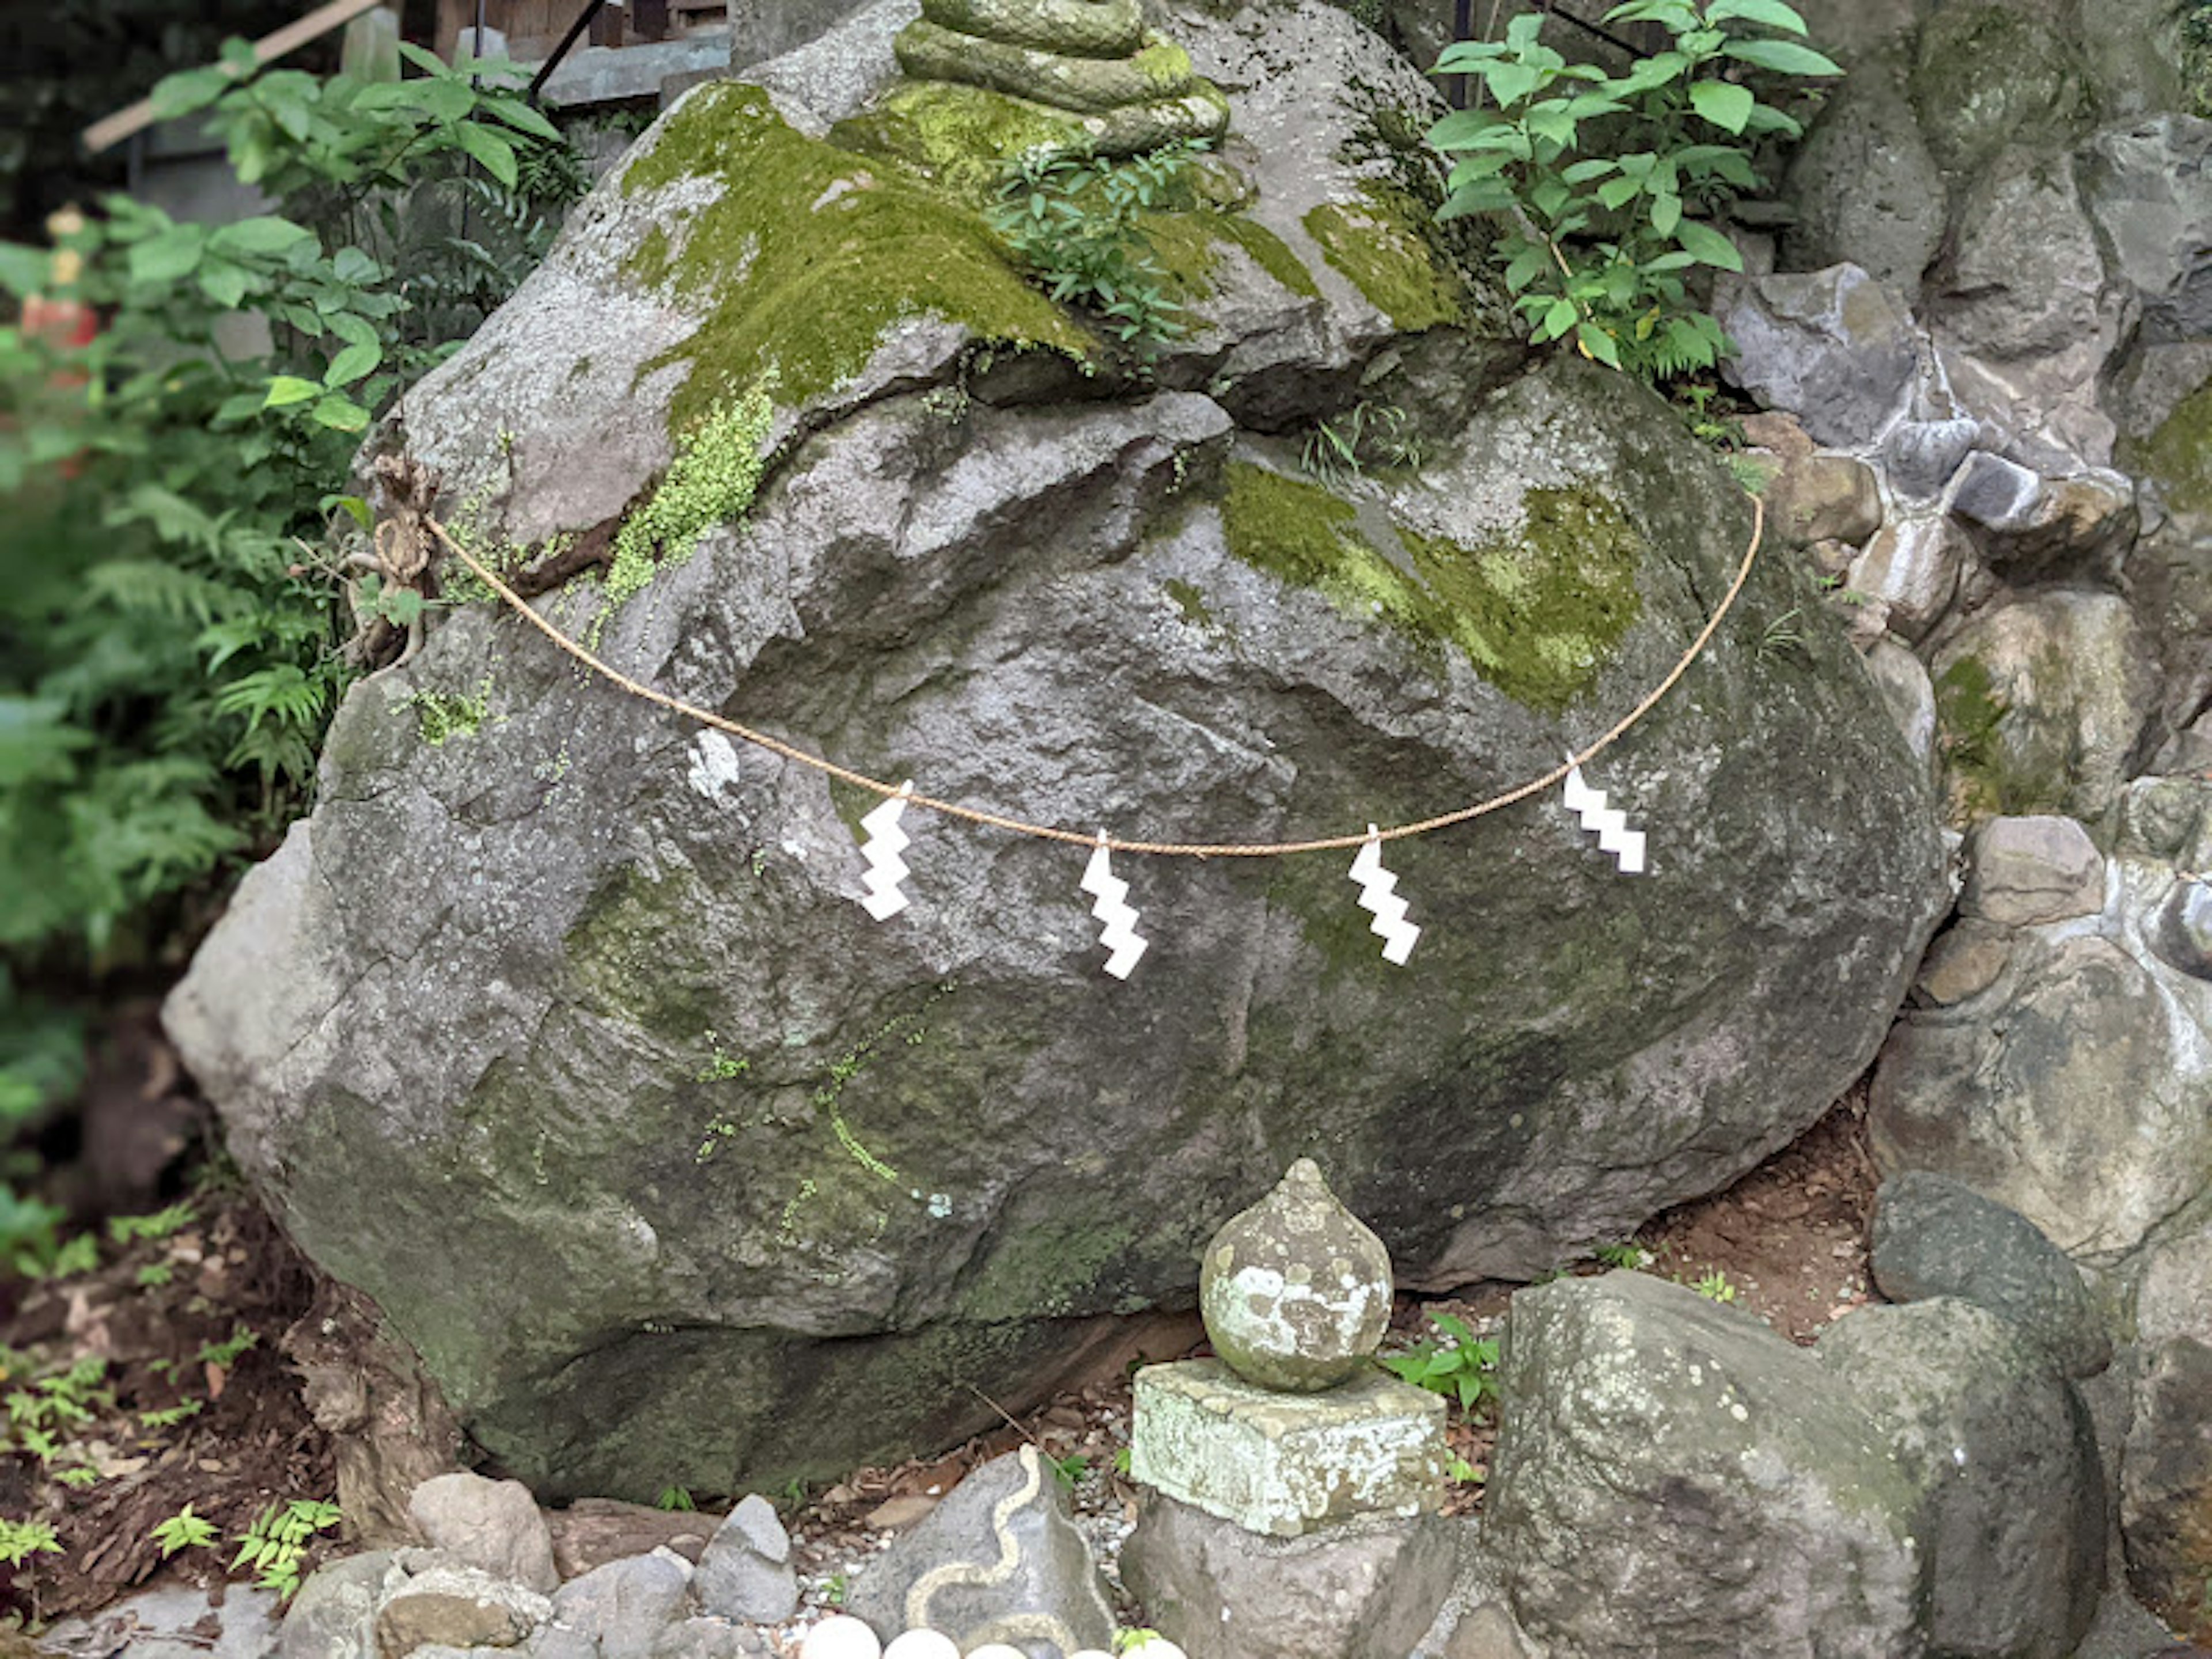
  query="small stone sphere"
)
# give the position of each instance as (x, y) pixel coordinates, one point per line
(1089, 1653)
(996, 1650)
(839, 1637)
(922, 1644)
(1295, 1291)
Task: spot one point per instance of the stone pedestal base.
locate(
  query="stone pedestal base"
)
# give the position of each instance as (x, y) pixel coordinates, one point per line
(1282, 1464)
(1360, 1590)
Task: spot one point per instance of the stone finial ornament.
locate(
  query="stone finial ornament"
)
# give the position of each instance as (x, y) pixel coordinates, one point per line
(1295, 1291)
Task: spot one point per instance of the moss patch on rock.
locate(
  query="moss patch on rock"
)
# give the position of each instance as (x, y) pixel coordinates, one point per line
(1537, 616)
(1376, 243)
(1189, 248)
(1987, 73)
(2179, 455)
(960, 136)
(810, 256)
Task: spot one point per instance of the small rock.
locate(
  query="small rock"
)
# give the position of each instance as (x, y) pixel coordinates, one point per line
(2182, 937)
(1912, 566)
(1833, 345)
(1487, 1632)
(2166, 1484)
(593, 1531)
(2081, 526)
(707, 1639)
(1907, 693)
(746, 1572)
(492, 1525)
(999, 1554)
(1818, 497)
(1995, 492)
(1963, 963)
(2150, 190)
(1934, 1237)
(1921, 456)
(1295, 1291)
(2028, 870)
(1362, 1589)
(457, 1606)
(624, 1605)
(333, 1614)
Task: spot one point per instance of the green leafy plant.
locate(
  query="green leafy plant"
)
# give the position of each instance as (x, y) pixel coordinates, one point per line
(161, 1224)
(1629, 1255)
(677, 1498)
(1069, 1470)
(1367, 435)
(1463, 1368)
(21, 1540)
(184, 1530)
(226, 1353)
(1076, 222)
(169, 1416)
(273, 1547)
(1607, 183)
(1714, 1286)
(1459, 1469)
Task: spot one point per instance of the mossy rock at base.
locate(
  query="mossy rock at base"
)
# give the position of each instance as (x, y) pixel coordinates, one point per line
(2179, 455)
(1988, 74)
(808, 258)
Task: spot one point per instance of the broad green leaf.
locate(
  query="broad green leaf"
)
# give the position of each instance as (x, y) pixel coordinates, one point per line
(350, 365)
(1555, 124)
(1656, 71)
(1783, 57)
(1483, 164)
(1466, 55)
(1772, 13)
(263, 234)
(1526, 266)
(429, 61)
(1582, 172)
(1726, 106)
(24, 271)
(1559, 319)
(1765, 119)
(521, 117)
(169, 256)
(1549, 198)
(1509, 83)
(239, 57)
(496, 155)
(288, 389)
(180, 94)
(224, 283)
(354, 330)
(1461, 127)
(340, 414)
(1665, 214)
(1615, 192)
(1707, 246)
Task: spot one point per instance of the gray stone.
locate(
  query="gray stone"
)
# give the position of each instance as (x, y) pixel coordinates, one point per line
(1487, 1631)
(1907, 693)
(174, 1622)
(1834, 347)
(1672, 1477)
(1360, 1589)
(496, 1056)
(2165, 1485)
(558, 1641)
(707, 1639)
(1938, 1238)
(1994, 493)
(2028, 528)
(2062, 685)
(593, 1531)
(999, 1560)
(2033, 869)
(746, 1573)
(1964, 962)
(2046, 413)
(623, 1605)
(1912, 566)
(2072, 1089)
(2149, 188)
(1295, 1291)
(333, 1614)
(760, 33)
(2168, 819)
(1988, 75)
(458, 1606)
(1864, 185)
(1283, 1465)
(2184, 938)
(2012, 1534)
(492, 1525)
(1921, 456)
(2153, 380)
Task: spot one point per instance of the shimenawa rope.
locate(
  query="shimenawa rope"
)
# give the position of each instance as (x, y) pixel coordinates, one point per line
(1163, 849)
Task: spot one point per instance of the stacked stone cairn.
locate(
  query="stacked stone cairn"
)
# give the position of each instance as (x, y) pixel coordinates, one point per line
(1088, 66)
(1292, 1469)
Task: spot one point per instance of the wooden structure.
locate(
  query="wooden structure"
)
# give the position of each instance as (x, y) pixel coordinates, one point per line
(534, 27)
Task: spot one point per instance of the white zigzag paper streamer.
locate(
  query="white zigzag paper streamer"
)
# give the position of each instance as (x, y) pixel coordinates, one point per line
(1378, 893)
(1609, 823)
(1119, 936)
(886, 869)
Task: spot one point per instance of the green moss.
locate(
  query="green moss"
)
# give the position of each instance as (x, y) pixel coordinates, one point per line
(655, 255)
(1377, 244)
(631, 952)
(1188, 248)
(2179, 455)
(717, 468)
(1192, 603)
(441, 716)
(959, 135)
(1536, 616)
(810, 256)
(1990, 772)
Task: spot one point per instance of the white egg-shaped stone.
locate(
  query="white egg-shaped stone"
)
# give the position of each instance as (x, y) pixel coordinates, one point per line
(1090, 1653)
(1159, 1647)
(996, 1650)
(841, 1636)
(922, 1644)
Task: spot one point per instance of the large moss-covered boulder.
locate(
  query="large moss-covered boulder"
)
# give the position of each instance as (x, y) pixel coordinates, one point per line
(557, 1029)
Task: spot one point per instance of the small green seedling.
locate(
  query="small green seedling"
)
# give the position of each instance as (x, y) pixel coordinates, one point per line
(1464, 1370)
(1715, 1287)
(182, 1531)
(677, 1498)
(1631, 1256)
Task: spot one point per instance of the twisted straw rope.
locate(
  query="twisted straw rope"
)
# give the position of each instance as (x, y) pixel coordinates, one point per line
(1163, 848)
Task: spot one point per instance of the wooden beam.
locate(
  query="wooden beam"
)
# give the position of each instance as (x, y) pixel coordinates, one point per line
(107, 133)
